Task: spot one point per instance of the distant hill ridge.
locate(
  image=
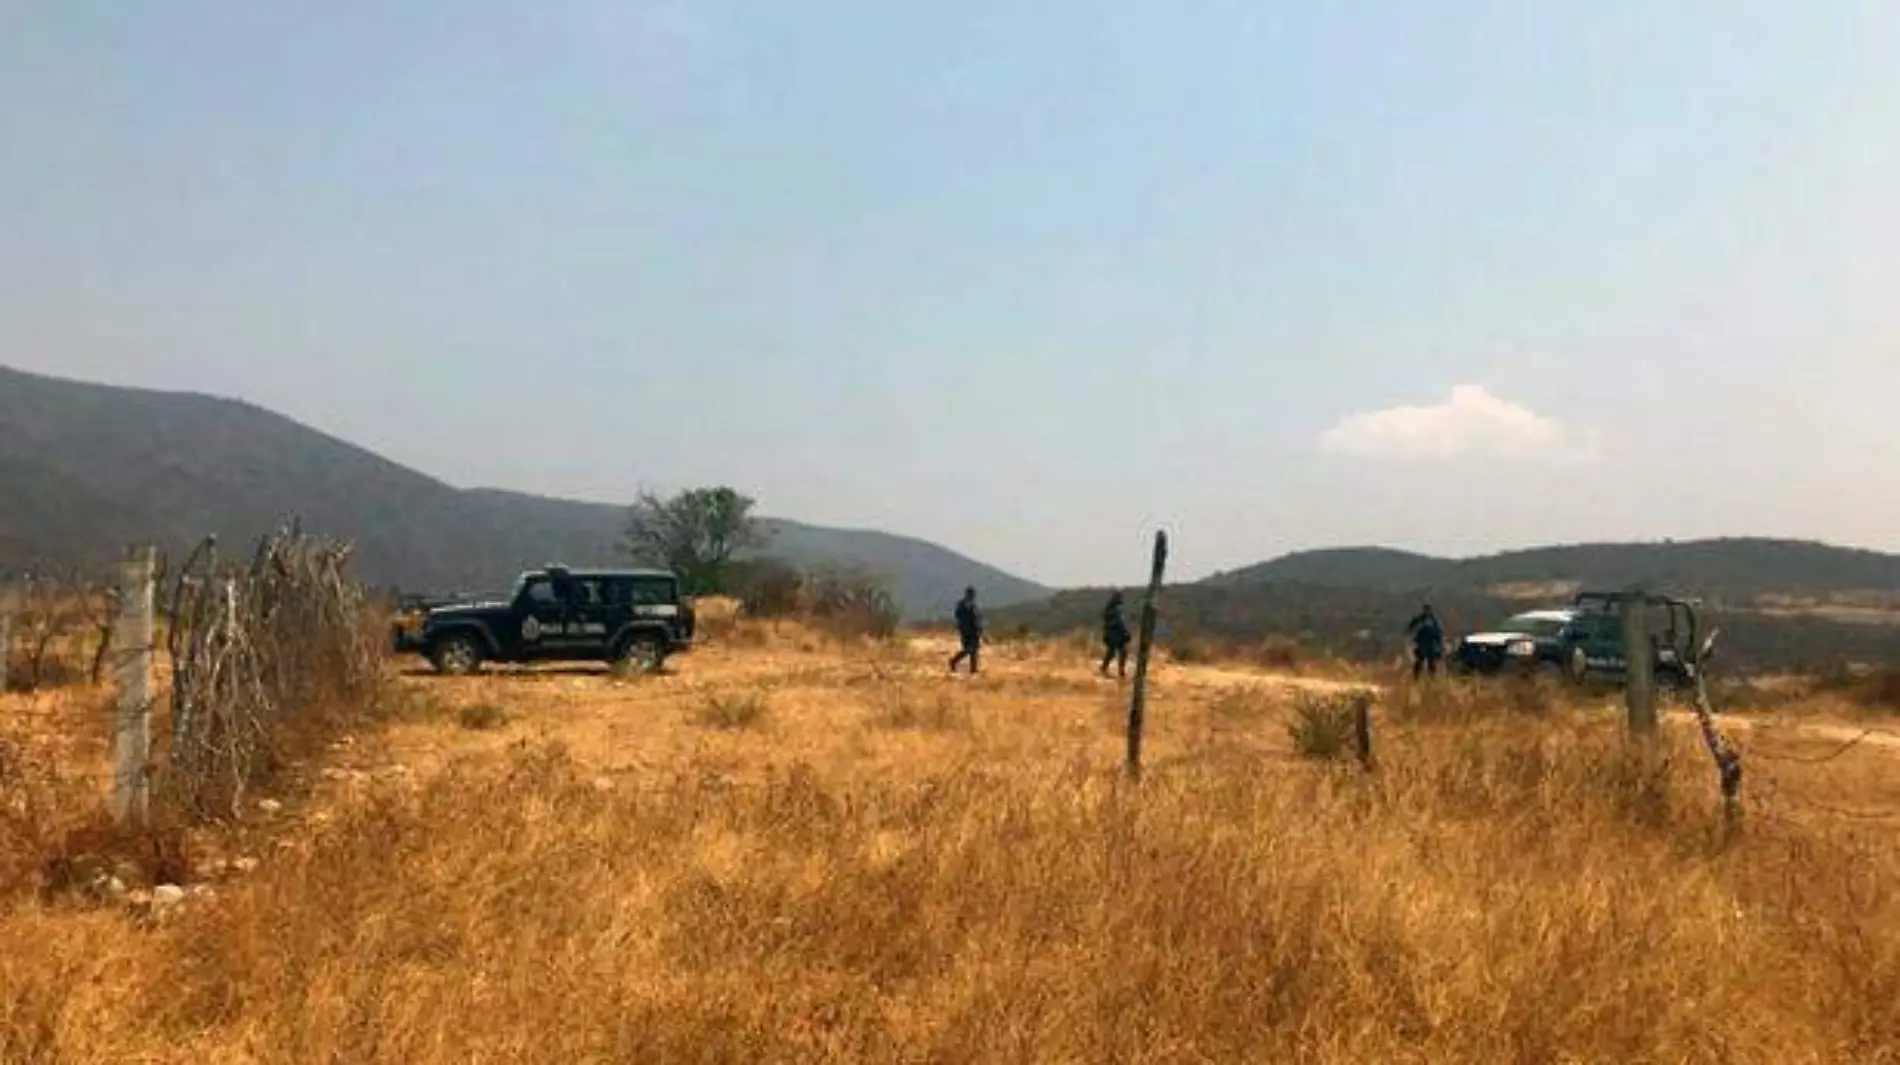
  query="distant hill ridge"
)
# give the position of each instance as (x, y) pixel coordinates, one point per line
(1730, 569)
(87, 468)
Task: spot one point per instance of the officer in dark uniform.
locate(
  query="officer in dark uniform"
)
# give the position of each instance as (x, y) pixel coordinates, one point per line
(969, 630)
(1114, 634)
(1428, 642)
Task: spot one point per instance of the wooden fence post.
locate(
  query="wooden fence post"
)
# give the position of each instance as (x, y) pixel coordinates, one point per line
(9, 603)
(1145, 642)
(132, 748)
(1639, 674)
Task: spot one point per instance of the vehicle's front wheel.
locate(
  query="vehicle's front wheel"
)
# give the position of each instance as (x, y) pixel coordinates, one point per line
(639, 654)
(456, 655)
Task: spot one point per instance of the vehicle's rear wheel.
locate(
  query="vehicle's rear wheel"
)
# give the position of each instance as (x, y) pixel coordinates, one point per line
(639, 653)
(456, 655)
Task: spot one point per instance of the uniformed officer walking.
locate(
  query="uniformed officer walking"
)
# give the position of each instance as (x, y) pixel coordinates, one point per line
(1114, 635)
(1428, 642)
(969, 631)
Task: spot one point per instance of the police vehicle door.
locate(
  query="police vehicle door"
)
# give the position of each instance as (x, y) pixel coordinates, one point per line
(540, 613)
(1603, 642)
(587, 616)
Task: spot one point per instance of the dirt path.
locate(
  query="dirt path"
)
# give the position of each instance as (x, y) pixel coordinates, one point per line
(615, 721)
(1162, 672)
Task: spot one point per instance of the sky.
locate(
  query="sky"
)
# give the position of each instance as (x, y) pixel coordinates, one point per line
(1028, 279)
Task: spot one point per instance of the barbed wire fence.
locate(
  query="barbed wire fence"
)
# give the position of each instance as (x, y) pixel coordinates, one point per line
(256, 652)
(1776, 799)
(261, 652)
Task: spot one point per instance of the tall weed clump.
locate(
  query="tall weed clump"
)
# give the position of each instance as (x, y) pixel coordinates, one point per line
(1324, 726)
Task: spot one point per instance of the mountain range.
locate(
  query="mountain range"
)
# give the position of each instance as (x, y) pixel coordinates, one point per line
(1735, 570)
(86, 469)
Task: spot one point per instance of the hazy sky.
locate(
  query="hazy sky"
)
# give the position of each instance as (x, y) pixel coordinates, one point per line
(1025, 278)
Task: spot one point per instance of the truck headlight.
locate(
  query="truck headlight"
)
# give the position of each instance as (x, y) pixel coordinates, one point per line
(1521, 649)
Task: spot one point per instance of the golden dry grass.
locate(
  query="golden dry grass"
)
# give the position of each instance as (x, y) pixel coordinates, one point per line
(885, 864)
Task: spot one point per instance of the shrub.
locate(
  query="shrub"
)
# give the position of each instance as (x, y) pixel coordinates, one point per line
(1323, 725)
(768, 588)
(733, 711)
(483, 717)
(398, 703)
(1193, 649)
(849, 601)
(1279, 652)
(902, 710)
(1242, 705)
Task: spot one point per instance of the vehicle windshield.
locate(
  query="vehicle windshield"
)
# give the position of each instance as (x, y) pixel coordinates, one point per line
(1533, 625)
(521, 585)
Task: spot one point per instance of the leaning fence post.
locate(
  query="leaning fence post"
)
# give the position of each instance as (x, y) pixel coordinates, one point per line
(1639, 688)
(1138, 702)
(133, 741)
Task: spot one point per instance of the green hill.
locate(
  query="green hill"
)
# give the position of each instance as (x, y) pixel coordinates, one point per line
(87, 468)
(1343, 567)
(1731, 570)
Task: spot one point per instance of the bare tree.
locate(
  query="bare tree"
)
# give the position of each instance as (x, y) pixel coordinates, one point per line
(695, 533)
(767, 587)
(851, 600)
(55, 606)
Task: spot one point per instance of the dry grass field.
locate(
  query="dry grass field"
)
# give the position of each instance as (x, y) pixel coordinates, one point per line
(792, 850)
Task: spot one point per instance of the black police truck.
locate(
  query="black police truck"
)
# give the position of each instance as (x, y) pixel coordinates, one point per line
(633, 618)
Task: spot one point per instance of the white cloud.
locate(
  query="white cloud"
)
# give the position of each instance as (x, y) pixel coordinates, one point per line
(1470, 421)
